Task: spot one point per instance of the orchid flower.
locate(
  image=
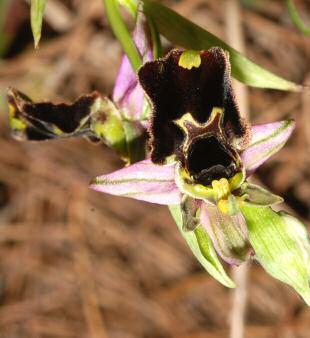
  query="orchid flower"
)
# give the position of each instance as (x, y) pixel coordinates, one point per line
(93, 115)
(202, 153)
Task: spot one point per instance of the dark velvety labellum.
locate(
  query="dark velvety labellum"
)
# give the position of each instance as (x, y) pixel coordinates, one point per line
(175, 91)
(45, 120)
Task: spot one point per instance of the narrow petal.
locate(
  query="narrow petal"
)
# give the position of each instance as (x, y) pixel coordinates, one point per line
(128, 93)
(228, 234)
(281, 246)
(266, 140)
(259, 196)
(189, 207)
(143, 181)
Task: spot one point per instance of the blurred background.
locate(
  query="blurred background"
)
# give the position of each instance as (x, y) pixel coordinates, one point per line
(77, 263)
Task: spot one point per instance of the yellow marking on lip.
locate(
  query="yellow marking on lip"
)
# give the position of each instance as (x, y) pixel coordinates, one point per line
(15, 123)
(188, 118)
(190, 59)
(193, 129)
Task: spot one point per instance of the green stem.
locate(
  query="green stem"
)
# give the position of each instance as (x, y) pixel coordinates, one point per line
(4, 38)
(296, 19)
(121, 32)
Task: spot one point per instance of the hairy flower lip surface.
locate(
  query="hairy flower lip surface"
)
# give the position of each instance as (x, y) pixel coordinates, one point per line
(175, 91)
(45, 120)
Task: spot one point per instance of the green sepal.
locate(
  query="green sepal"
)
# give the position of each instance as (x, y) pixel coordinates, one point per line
(183, 32)
(259, 196)
(281, 246)
(202, 248)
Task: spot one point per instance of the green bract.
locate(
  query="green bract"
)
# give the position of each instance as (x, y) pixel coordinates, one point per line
(281, 246)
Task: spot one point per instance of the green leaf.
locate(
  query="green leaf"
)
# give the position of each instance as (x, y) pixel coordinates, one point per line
(183, 32)
(202, 248)
(281, 246)
(130, 5)
(121, 32)
(296, 19)
(37, 10)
